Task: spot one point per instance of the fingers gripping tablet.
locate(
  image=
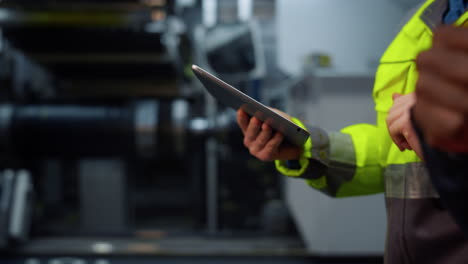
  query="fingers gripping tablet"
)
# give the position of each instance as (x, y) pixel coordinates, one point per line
(236, 99)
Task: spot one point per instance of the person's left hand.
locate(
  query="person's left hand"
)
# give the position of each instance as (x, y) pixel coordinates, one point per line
(399, 123)
(264, 143)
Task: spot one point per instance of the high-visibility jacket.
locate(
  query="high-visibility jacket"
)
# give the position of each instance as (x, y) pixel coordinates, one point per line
(362, 159)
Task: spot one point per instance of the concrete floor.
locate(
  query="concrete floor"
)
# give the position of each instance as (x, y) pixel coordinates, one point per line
(186, 260)
(171, 250)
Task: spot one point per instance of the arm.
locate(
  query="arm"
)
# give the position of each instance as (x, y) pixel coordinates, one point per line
(344, 163)
(340, 164)
(441, 109)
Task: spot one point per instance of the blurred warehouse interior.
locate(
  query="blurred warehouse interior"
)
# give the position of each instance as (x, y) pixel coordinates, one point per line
(109, 147)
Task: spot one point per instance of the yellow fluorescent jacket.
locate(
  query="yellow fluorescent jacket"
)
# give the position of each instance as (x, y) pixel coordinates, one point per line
(356, 160)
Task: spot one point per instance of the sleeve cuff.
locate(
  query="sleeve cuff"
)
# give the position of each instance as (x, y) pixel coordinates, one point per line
(282, 165)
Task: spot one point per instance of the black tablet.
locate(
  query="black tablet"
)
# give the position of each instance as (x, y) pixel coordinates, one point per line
(236, 99)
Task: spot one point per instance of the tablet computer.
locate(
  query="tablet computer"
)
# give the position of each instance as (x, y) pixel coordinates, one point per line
(230, 96)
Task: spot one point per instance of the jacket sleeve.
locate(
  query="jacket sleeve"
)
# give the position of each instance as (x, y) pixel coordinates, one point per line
(340, 164)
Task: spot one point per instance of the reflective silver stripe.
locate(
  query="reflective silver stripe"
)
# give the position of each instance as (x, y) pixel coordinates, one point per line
(320, 144)
(433, 15)
(408, 181)
(342, 161)
(339, 157)
(342, 152)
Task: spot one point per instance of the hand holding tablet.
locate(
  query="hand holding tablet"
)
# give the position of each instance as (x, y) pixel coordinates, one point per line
(235, 99)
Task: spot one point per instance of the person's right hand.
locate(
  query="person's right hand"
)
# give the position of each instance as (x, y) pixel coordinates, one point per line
(441, 109)
(262, 142)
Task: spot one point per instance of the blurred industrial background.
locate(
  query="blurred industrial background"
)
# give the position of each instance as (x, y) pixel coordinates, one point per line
(112, 152)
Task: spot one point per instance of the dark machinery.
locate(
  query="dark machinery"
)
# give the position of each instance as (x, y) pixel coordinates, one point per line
(93, 97)
(103, 131)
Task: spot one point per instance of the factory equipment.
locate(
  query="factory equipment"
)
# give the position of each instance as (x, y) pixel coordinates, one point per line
(94, 94)
(104, 133)
(16, 206)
